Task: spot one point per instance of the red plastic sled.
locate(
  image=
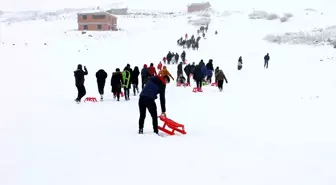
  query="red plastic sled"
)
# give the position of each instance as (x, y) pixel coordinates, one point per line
(195, 89)
(90, 99)
(172, 125)
(214, 84)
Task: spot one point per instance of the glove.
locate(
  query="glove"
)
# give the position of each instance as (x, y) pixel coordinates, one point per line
(163, 114)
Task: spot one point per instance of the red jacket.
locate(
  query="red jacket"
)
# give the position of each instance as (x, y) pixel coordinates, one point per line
(152, 71)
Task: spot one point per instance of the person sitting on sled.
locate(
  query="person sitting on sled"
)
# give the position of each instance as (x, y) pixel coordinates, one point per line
(155, 85)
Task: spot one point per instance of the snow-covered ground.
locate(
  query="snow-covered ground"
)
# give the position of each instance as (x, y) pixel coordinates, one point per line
(268, 127)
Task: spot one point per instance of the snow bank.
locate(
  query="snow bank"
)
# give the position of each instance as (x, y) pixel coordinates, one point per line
(321, 36)
(269, 16)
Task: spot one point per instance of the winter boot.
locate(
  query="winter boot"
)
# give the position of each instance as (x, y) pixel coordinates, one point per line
(140, 131)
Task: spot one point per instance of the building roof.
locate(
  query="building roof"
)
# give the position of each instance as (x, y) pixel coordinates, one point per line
(96, 12)
(199, 4)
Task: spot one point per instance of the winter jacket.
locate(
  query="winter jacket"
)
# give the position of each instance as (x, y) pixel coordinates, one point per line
(165, 72)
(198, 75)
(240, 61)
(145, 72)
(177, 57)
(183, 55)
(266, 58)
(126, 77)
(152, 71)
(135, 76)
(216, 71)
(192, 68)
(180, 68)
(204, 71)
(79, 76)
(159, 66)
(220, 76)
(155, 85)
(209, 65)
(116, 80)
(101, 76)
(187, 69)
(209, 72)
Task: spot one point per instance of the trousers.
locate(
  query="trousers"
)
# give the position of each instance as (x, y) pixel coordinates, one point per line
(144, 104)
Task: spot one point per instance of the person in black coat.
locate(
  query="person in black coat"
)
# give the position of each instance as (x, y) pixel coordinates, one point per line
(116, 83)
(135, 79)
(169, 57)
(266, 59)
(187, 70)
(209, 65)
(127, 87)
(101, 76)
(144, 76)
(177, 57)
(79, 78)
(179, 70)
(192, 68)
(198, 76)
(183, 56)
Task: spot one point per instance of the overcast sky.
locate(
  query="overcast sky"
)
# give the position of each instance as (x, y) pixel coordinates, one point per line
(17, 5)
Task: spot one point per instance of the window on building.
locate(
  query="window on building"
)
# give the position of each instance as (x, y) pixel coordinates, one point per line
(98, 16)
(84, 17)
(99, 26)
(86, 27)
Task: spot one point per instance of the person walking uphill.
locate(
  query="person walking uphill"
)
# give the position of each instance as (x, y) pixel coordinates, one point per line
(135, 80)
(79, 78)
(116, 83)
(198, 76)
(144, 75)
(127, 76)
(152, 70)
(240, 63)
(155, 85)
(101, 76)
(221, 77)
(266, 59)
(179, 70)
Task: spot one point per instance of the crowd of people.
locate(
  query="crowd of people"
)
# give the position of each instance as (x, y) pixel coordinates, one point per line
(154, 82)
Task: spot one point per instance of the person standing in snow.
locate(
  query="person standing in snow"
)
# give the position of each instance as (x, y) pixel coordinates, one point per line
(183, 56)
(216, 71)
(135, 80)
(240, 63)
(116, 83)
(177, 57)
(266, 59)
(187, 70)
(144, 76)
(221, 77)
(155, 85)
(101, 76)
(127, 81)
(159, 67)
(152, 70)
(209, 75)
(79, 78)
(198, 76)
(179, 70)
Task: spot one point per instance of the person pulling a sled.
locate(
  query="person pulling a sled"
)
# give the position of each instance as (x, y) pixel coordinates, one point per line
(155, 85)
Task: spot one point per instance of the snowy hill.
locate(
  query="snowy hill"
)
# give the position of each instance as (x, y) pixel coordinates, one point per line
(268, 127)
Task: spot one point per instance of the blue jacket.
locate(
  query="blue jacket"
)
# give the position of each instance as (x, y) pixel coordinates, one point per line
(209, 72)
(155, 85)
(204, 71)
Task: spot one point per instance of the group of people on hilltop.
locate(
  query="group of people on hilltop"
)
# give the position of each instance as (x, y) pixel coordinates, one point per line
(173, 58)
(188, 43)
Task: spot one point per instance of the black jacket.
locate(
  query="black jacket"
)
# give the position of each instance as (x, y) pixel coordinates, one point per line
(179, 68)
(116, 80)
(266, 58)
(101, 76)
(79, 76)
(187, 69)
(135, 76)
(130, 72)
(198, 75)
(209, 66)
